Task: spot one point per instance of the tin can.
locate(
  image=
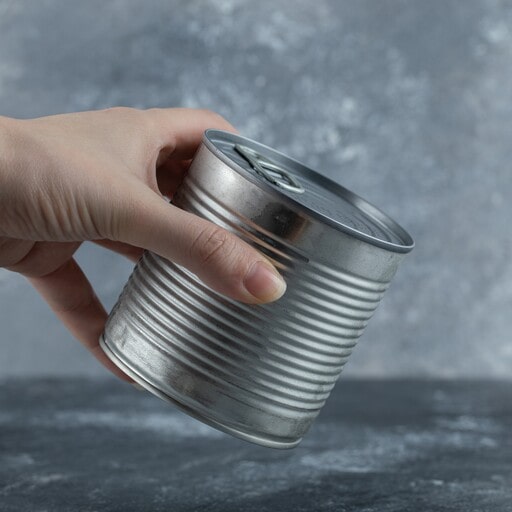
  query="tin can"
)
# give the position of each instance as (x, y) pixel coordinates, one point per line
(259, 372)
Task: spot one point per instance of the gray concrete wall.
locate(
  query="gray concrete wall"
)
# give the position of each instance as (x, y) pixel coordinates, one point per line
(407, 103)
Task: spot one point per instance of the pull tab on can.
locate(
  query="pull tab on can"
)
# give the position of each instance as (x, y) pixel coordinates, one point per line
(270, 171)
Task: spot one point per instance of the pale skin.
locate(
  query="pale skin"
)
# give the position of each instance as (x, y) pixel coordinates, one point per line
(105, 177)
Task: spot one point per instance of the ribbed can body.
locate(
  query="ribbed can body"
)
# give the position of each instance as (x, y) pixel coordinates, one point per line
(260, 372)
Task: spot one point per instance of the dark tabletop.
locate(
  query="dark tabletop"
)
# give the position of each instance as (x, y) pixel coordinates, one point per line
(79, 445)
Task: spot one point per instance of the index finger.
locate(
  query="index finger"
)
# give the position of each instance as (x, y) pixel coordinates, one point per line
(181, 129)
(71, 297)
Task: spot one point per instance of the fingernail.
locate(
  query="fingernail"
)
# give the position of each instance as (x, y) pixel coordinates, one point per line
(264, 282)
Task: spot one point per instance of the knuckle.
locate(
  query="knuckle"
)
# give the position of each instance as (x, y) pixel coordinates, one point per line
(13, 251)
(136, 123)
(215, 116)
(152, 123)
(212, 243)
(119, 110)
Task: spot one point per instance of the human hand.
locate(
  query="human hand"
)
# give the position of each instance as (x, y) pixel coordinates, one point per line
(104, 176)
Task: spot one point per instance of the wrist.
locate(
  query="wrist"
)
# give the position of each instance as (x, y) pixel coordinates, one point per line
(7, 149)
(8, 169)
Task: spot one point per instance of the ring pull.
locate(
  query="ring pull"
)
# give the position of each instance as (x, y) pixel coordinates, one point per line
(270, 171)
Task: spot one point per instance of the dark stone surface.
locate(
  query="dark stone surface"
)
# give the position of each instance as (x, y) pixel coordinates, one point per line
(83, 445)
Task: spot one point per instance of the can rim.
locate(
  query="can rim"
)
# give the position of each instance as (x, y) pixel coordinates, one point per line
(357, 201)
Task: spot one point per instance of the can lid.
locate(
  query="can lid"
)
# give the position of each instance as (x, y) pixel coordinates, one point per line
(307, 190)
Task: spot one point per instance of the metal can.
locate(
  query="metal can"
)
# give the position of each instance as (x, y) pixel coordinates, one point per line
(259, 372)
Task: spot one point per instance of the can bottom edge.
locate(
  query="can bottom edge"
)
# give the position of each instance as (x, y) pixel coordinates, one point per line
(190, 411)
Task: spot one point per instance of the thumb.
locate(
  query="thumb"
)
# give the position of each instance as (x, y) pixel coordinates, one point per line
(219, 258)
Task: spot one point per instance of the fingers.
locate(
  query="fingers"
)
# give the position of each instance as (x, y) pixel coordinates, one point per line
(129, 251)
(43, 258)
(181, 129)
(217, 257)
(50, 268)
(70, 295)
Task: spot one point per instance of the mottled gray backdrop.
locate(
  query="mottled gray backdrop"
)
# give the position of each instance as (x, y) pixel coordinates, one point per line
(408, 103)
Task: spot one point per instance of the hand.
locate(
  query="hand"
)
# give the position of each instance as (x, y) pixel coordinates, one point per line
(104, 176)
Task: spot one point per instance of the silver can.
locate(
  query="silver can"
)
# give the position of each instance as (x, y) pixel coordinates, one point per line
(259, 372)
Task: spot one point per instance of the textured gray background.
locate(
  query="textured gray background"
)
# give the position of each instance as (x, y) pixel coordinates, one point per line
(408, 103)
